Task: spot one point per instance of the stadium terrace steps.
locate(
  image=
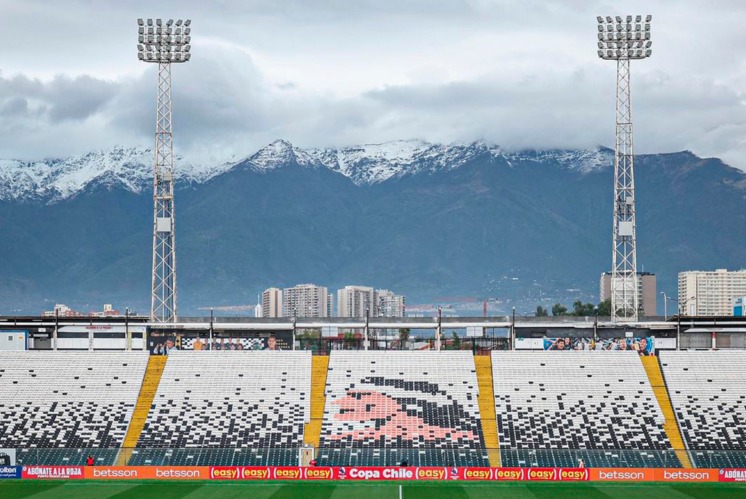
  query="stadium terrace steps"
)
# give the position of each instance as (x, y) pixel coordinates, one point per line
(228, 408)
(655, 375)
(150, 382)
(319, 370)
(708, 394)
(560, 409)
(483, 364)
(57, 407)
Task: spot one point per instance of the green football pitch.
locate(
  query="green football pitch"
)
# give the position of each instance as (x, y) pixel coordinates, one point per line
(12, 489)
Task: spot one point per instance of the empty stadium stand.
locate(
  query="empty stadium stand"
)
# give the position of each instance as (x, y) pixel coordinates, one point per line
(554, 409)
(383, 408)
(709, 398)
(228, 408)
(59, 407)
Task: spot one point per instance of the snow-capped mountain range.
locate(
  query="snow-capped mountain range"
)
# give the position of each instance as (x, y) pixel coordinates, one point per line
(131, 168)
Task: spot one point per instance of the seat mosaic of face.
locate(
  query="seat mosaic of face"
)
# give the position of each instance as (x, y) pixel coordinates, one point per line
(386, 407)
(54, 404)
(554, 409)
(226, 408)
(709, 398)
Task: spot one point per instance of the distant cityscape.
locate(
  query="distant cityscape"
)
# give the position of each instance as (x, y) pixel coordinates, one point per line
(701, 293)
(310, 300)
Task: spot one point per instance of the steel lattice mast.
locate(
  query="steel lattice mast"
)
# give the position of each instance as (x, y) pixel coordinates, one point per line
(164, 43)
(623, 40)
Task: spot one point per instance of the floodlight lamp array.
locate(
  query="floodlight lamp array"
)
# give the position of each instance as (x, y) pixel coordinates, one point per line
(160, 41)
(624, 38)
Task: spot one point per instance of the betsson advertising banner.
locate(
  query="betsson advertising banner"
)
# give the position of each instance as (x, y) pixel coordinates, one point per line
(353, 473)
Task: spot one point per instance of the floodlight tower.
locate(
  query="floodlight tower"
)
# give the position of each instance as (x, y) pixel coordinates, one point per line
(622, 40)
(163, 43)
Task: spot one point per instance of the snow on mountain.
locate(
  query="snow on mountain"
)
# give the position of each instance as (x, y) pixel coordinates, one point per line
(280, 153)
(132, 168)
(59, 179)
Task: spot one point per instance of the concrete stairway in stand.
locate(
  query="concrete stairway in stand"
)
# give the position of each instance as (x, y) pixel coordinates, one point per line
(153, 373)
(653, 369)
(483, 364)
(312, 430)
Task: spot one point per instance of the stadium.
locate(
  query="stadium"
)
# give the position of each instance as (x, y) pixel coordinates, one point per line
(163, 406)
(438, 423)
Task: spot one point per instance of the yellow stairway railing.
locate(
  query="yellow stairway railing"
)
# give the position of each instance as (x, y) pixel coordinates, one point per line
(653, 369)
(153, 373)
(483, 364)
(312, 429)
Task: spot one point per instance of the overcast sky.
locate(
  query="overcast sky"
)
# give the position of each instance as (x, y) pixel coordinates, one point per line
(520, 73)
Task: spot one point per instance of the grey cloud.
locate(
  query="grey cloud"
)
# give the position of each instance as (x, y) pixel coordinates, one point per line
(77, 98)
(15, 106)
(59, 100)
(531, 79)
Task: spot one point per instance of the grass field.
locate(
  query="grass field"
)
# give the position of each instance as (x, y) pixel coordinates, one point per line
(13, 489)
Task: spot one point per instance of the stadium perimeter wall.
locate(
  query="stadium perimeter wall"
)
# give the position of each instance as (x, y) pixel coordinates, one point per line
(351, 473)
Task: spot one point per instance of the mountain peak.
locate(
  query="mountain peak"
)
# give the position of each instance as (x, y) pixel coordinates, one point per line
(280, 153)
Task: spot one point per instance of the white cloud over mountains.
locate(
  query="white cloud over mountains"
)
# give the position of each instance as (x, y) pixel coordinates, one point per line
(333, 73)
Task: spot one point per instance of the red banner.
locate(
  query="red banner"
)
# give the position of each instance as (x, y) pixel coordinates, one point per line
(732, 475)
(52, 472)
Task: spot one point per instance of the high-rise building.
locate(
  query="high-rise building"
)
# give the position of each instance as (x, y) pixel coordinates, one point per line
(389, 304)
(330, 305)
(272, 303)
(305, 300)
(710, 293)
(355, 301)
(646, 292)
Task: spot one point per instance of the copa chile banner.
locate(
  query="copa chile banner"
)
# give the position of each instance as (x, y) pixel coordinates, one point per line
(353, 473)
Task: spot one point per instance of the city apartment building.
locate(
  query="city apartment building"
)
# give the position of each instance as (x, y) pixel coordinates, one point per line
(305, 300)
(355, 301)
(646, 291)
(390, 304)
(272, 303)
(710, 293)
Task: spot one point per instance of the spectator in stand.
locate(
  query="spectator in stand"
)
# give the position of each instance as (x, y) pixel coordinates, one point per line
(198, 345)
(89, 460)
(581, 463)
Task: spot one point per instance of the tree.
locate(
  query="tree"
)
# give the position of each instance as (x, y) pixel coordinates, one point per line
(559, 309)
(604, 308)
(541, 311)
(580, 309)
(404, 336)
(456, 341)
